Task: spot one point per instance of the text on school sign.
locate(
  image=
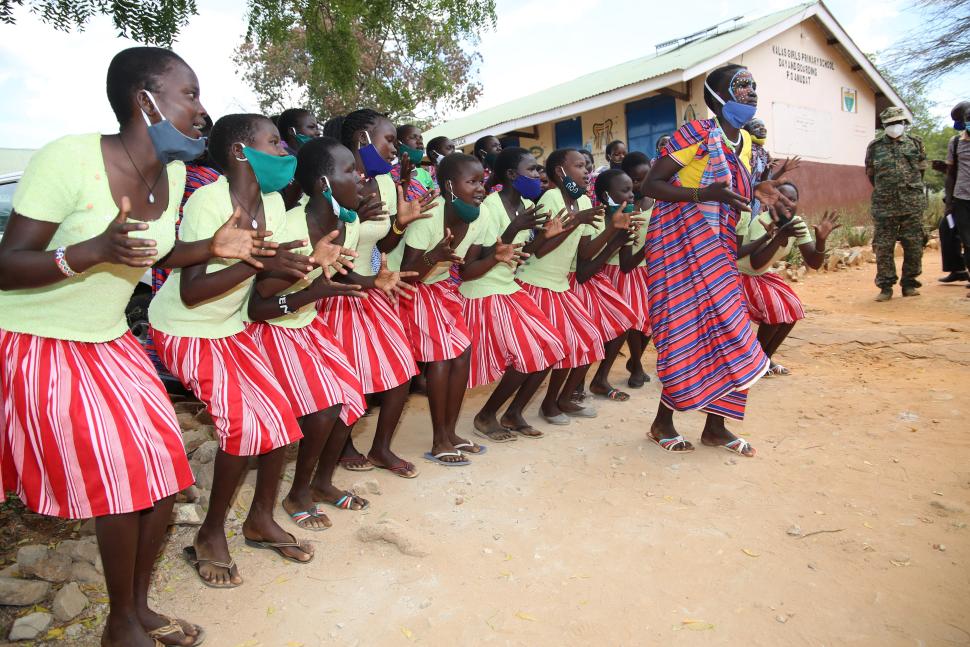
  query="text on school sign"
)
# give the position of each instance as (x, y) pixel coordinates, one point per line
(800, 67)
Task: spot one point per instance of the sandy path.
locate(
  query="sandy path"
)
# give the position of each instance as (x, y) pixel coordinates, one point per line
(593, 537)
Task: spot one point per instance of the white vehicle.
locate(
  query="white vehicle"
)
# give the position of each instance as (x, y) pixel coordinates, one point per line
(8, 184)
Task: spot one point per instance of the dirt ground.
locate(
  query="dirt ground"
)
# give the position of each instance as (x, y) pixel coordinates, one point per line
(848, 528)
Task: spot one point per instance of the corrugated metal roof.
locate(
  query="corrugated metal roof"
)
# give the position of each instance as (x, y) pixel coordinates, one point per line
(624, 74)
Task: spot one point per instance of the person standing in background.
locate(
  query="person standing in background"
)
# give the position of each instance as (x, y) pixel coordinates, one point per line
(895, 163)
(955, 226)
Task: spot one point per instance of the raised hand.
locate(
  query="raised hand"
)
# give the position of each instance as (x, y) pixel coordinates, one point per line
(323, 287)
(828, 224)
(587, 216)
(370, 208)
(116, 246)
(790, 164)
(531, 218)
(769, 195)
(392, 283)
(555, 226)
(328, 254)
(443, 252)
(719, 192)
(407, 169)
(409, 211)
(230, 241)
(288, 263)
(509, 253)
(621, 220)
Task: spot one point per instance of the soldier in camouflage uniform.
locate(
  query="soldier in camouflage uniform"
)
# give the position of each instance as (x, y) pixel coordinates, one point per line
(895, 162)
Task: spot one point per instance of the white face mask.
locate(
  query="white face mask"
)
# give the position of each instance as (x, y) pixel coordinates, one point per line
(895, 130)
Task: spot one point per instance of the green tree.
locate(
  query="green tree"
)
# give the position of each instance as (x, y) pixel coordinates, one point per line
(404, 57)
(150, 21)
(938, 46)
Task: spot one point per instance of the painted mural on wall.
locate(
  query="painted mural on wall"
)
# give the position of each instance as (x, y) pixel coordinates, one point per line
(537, 152)
(602, 134)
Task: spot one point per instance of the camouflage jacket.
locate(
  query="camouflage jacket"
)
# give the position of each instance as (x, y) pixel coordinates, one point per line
(896, 166)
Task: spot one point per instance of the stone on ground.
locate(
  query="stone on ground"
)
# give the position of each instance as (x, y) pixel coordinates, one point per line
(56, 567)
(30, 626)
(69, 602)
(22, 593)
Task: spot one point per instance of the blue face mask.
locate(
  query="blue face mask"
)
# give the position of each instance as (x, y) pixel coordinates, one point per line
(959, 125)
(570, 186)
(169, 143)
(343, 213)
(273, 172)
(736, 114)
(529, 187)
(374, 163)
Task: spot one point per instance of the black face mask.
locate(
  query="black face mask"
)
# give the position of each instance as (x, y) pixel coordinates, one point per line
(637, 196)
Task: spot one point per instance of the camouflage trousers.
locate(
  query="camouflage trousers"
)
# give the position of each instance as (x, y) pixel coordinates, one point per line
(908, 230)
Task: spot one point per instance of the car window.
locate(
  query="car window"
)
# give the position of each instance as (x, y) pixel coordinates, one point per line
(6, 203)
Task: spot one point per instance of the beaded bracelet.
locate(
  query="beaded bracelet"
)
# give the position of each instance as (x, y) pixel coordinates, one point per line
(399, 232)
(61, 261)
(427, 261)
(697, 194)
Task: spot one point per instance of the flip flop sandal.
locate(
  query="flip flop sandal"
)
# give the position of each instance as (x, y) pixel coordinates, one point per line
(671, 444)
(585, 412)
(737, 446)
(778, 369)
(614, 394)
(486, 436)
(404, 469)
(465, 448)
(521, 432)
(195, 562)
(278, 546)
(347, 501)
(316, 512)
(174, 628)
(559, 419)
(352, 464)
(577, 398)
(436, 458)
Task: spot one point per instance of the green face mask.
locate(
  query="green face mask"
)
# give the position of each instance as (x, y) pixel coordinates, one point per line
(303, 139)
(612, 207)
(467, 212)
(343, 213)
(413, 154)
(273, 172)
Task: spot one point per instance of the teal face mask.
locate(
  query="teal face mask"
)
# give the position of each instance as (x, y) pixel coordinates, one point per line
(272, 171)
(612, 207)
(414, 154)
(466, 212)
(302, 139)
(343, 213)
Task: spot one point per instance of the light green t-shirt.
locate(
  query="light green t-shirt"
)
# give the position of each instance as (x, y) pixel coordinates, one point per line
(66, 183)
(749, 229)
(426, 233)
(501, 278)
(615, 260)
(221, 316)
(295, 228)
(552, 270)
(373, 231)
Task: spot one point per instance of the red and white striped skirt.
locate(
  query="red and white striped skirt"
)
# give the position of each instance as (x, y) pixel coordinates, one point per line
(609, 310)
(372, 337)
(247, 404)
(434, 322)
(509, 330)
(568, 315)
(770, 300)
(86, 429)
(632, 287)
(311, 369)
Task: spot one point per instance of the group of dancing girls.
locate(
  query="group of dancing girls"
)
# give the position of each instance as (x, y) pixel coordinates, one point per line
(282, 321)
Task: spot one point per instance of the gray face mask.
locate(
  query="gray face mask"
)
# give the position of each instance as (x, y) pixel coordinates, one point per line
(170, 144)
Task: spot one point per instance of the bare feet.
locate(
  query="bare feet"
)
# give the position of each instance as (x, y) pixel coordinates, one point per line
(491, 428)
(638, 377)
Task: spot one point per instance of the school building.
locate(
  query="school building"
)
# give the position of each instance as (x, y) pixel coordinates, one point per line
(817, 93)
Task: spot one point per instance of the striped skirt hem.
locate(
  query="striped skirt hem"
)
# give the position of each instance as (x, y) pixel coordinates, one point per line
(434, 322)
(770, 300)
(582, 338)
(608, 309)
(632, 287)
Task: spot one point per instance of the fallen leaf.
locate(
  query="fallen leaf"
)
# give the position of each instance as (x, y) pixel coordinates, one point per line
(696, 625)
(899, 562)
(750, 553)
(508, 557)
(270, 610)
(281, 579)
(522, 615)
(867, 524)
(55, 634)
(294, 643)
(407, 633)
